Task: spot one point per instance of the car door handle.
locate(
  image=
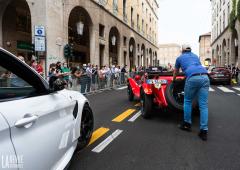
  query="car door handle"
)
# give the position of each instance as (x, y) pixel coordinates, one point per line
(26, 121)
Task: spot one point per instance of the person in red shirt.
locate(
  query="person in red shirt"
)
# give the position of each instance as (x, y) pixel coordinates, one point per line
(39, 68)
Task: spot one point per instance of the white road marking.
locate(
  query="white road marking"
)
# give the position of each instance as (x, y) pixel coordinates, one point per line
(237, 88)
(211, 89)
(107, 141)
(122, 88)
(226, 90)
(239, 94)
(135, 117)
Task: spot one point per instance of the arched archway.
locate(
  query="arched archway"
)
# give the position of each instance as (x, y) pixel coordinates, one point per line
(224, 53)
(132, 52)
(17, 29)
(114, 45)
(79, 32)
(234, 47)
(143, 55)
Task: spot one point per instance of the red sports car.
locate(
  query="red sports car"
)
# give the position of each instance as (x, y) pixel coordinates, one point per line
(156, 87)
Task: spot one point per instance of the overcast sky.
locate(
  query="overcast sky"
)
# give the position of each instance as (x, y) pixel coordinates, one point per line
(182, 21)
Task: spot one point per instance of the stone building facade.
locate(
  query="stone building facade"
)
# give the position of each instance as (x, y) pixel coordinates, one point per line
(168, 53)
(225, 42)
(205, 49)
(101, 32)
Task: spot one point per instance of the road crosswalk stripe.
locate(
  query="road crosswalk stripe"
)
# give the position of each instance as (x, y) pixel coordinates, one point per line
(132, 119)
(107, 141)
(122, 88)
(124, 115)
(225, 89)
(97, 134)
(211, 89)
(236, 88)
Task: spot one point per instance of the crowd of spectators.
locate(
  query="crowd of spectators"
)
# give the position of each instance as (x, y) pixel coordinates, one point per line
(89, 77)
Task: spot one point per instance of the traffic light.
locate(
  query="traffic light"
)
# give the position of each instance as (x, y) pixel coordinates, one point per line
(67, 51)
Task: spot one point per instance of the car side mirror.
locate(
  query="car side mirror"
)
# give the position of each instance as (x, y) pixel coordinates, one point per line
(56, 84)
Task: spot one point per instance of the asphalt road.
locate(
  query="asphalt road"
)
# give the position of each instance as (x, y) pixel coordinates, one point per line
(157, 143)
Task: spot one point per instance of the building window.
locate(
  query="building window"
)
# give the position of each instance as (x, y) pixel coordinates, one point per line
(138, 26)
(101, 30)
(132, 21)
(115, 6)
(124, 9)
(124, 41)
(224, 19)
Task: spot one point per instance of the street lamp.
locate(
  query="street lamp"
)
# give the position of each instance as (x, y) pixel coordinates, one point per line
(114, 40)
(80, 26)
(131, 48)
(236, 42)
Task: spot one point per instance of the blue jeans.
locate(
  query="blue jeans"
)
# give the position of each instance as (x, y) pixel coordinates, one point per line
(197, 87)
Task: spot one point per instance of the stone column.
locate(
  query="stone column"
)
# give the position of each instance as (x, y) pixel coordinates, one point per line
(94, 45)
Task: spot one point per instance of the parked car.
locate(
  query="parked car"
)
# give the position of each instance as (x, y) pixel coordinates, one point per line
(220, 75)
(155, 87)
(40, 127)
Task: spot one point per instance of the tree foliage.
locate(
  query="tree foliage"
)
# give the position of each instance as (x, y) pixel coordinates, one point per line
(233, 16)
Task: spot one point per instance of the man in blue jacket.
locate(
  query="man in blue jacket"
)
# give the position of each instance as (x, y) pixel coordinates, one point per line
(196, 86)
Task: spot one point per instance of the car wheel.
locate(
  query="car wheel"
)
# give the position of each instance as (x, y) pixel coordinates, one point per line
(87, 124)
(130, 94)
(174, 95)
(146, 106)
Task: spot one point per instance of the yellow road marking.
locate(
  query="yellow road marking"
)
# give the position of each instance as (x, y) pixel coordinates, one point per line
(97, 134)
(137, 105)
(124, 115)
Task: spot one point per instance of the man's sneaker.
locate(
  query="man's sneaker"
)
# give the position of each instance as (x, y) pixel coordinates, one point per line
(203, 134)
(185, 126)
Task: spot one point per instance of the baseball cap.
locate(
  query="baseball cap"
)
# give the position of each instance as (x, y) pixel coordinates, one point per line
(186, 47)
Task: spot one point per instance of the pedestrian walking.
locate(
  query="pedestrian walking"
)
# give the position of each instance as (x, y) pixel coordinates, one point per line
(196, 86)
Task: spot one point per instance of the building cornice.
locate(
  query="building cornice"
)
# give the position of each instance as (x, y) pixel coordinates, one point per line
(102, 7)
(220, 35)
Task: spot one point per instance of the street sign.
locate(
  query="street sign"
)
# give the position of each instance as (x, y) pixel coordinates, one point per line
(40, 43)
(40, 31)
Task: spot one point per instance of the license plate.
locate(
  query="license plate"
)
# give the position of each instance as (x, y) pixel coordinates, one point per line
(220, 75)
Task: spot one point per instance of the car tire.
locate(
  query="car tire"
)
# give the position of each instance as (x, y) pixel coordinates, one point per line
(130, 94)
(87, 124)
(146, 106)
(172, 102)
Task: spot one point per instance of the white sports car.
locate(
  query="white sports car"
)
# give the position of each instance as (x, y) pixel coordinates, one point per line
(40, 127)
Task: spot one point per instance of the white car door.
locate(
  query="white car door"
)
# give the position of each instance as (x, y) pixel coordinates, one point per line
(41, 124)
(7, 154)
